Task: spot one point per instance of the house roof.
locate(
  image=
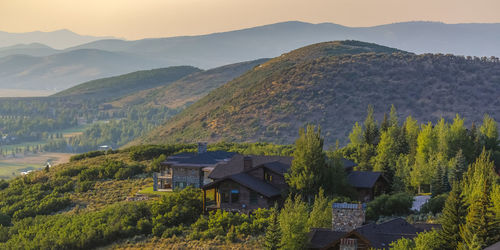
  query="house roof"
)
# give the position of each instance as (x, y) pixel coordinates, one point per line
(235, 165)
(495, 246)
(348, 163)
(363, 179)
(381, 235)
(250, 182)
(194, 159)
(322, 237)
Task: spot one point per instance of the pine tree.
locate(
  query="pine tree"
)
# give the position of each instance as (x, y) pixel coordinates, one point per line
(273, 232)
(393, 117)
(371, 130)
(458, 167)
(321, 215)
(489, 133)
(293, 223)
(481, 226)
(385, 124)
(308, 165)
(453, 217)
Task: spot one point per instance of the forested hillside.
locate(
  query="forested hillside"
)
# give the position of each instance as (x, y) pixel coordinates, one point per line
(331, 84)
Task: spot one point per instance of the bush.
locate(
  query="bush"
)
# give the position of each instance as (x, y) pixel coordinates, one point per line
(90, 154)
(3, 184)
(4, 220)
(434, 205)
(148, 152)
(84, 186)
(389, 205)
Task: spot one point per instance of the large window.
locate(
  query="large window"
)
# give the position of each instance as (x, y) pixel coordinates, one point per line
(235, 195)
(253, 197)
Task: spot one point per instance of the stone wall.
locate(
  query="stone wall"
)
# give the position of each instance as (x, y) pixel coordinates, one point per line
(346, 217)
(186, 176)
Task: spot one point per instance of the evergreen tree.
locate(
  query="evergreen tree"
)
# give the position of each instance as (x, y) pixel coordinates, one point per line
(411, 133)
(489, 133)
(481, 226)
(393, 117)
(309, 163)
(371, 134)
(293, 223)
(458, 167)
(321, 214)
(453, 217)
(273, 232)
(426, 147)
(385, 124)
(356, 136)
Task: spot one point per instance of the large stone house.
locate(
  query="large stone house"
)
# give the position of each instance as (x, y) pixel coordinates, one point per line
(189, 168)
(348, 231)
(249, 182)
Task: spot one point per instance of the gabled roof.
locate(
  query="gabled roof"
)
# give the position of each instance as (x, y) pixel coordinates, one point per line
(203, 159)
(363, 179)
(322, 237)
(348, 163)
(381, 235)
(235, 165)
(250, 182)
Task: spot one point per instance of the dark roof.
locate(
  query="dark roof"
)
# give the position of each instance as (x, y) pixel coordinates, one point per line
(207, 158)
(348, 163)
(276, 166)
(322, 237)
(495, 246)
(363, 179)
(250, 182)
(427, 226)
(381, 235)
(235, 165)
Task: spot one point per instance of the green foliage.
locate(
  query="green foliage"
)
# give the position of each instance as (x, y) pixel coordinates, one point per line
(434, 205)
(293, 223)
(389, 205)
(87, 155)
(489, 133)
(321, 214)
(453, 217)
(273, 231)
(371, 133)
(403, 244)
(481, 226)
(308, 165)
(428, 241)
(148, 152)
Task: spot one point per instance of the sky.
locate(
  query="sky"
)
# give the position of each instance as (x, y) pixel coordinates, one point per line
(136, 19)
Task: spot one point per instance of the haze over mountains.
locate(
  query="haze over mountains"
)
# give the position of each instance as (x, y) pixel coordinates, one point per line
(104, 58)
(59, 39)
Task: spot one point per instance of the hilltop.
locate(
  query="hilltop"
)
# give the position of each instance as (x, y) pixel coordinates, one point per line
(188, 89)
(331, 84)
(123, 85)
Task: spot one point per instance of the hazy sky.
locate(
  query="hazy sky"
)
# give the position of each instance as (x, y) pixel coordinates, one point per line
(134, 19)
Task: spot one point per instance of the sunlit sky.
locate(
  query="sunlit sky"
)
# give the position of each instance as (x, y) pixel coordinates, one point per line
(135, 19)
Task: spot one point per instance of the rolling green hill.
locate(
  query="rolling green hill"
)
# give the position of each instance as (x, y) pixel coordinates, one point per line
(331, 84)
(118, 86)
(187, 89)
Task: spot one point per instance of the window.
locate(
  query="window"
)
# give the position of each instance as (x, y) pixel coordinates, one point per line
(268, 177)
(235, 195)
(224, 196)
(253, 197)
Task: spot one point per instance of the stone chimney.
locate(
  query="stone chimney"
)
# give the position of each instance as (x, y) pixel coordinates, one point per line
(202, 147)
(347, 216)
(247, 163)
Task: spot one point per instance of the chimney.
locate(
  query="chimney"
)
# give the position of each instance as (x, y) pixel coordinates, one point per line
(202, 147)
(347, 216)
(247, 163)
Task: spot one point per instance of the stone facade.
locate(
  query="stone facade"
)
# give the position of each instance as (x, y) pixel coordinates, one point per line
(244, 203)
(183, 177)
(347, 217)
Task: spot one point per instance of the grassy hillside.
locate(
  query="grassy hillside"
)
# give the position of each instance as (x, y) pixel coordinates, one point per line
(187, 89)
(122, 85)
(323, 84)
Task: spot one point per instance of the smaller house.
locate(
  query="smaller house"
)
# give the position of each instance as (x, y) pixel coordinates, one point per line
(348, 231)
(368, 184)
(189, 168)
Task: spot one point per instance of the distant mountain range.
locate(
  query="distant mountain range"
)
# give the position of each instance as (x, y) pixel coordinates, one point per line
(331, 84)
(108, 57)
(59, 39)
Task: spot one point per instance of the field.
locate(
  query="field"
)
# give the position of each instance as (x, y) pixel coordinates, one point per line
(11, 167)
(24, 92)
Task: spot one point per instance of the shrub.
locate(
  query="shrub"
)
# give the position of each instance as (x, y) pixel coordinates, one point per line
(90, 154)
(4, 220)
(389, 205)
(84, 186)
(435, 204)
